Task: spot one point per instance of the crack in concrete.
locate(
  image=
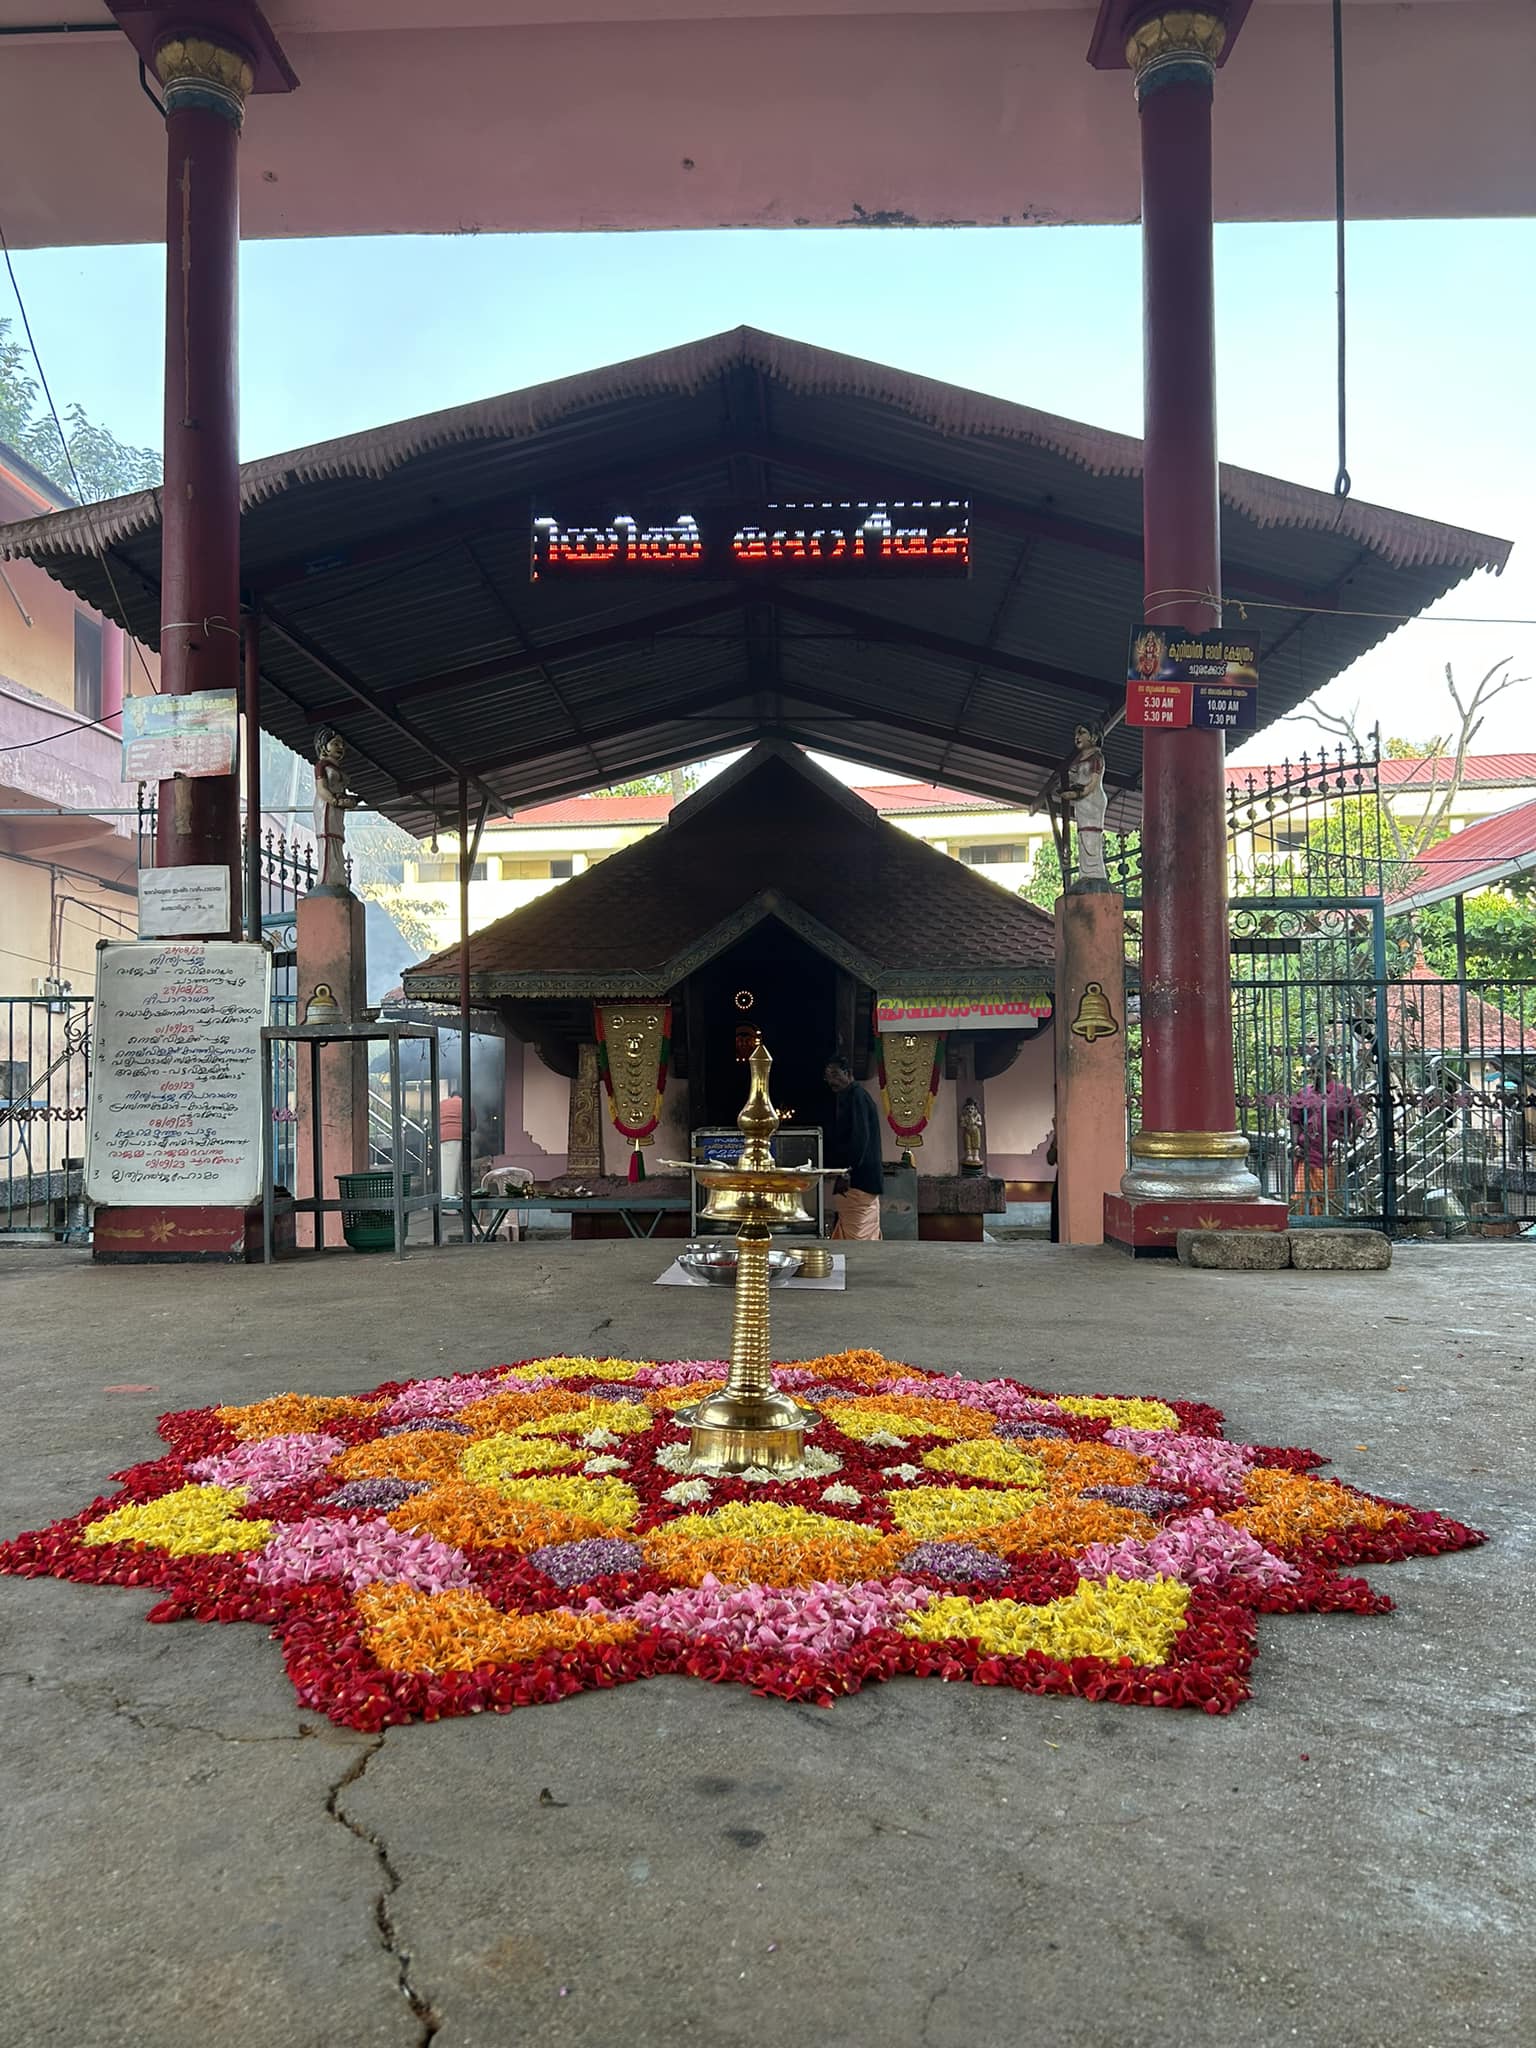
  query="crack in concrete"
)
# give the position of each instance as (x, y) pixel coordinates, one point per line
(140, 1716)
(425, 2014)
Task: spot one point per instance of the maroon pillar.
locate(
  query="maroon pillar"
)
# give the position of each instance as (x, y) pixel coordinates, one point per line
(1188, 1160)
(1186, 1013)
(206, 83)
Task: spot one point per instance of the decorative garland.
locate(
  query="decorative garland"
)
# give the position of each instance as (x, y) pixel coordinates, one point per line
(911, 1134)
(643, 1021)
(492, 1540)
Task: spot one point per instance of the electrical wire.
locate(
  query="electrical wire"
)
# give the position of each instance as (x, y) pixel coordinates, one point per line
(47, 738)
(58, 427)
(1244, 605)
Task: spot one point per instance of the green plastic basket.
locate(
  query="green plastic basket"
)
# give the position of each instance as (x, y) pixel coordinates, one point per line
(366, 1227)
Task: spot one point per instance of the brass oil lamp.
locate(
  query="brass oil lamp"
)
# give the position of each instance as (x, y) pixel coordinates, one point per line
(750, 1422)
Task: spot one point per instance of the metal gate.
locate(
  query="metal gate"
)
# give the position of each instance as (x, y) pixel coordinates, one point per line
(45, 1071)
(1397, 1099)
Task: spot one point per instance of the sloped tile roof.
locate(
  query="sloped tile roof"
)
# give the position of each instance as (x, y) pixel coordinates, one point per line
(773, 838)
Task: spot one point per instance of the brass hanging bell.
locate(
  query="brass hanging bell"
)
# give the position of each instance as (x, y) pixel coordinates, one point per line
(1094, 1019)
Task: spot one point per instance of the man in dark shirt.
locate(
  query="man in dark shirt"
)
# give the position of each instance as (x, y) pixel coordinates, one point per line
(855, 1148)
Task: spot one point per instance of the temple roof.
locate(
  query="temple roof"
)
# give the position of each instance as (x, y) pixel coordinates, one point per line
(772, 837)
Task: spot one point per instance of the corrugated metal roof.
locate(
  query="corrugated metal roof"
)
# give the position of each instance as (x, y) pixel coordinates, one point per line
(392, 572)
(1495, 850)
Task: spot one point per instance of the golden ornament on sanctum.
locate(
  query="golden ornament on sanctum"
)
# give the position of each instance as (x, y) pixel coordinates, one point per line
(750, 1422)
(1094, 1019)
(909, 1058)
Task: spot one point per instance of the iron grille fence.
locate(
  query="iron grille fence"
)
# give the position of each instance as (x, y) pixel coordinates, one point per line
(45, 1071)
(45, 1067)
(1406, 1102)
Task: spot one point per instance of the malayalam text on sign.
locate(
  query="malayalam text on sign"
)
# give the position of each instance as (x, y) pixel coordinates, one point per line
(961, 1013)
(858, 537)
(168, 736)
(175, 1110)
(1208, 681)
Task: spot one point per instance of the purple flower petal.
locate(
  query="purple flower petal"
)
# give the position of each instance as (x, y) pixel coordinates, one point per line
(1148, 1500)
(374, 1494)
(594, 1557)
(959, 1561)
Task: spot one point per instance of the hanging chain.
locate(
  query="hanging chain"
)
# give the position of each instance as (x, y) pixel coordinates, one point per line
(1341, 481)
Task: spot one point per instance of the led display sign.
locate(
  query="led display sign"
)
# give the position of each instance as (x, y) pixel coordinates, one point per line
(860, 537)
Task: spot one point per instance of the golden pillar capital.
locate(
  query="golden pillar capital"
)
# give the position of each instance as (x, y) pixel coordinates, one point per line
(1183, 44)
(197, 72)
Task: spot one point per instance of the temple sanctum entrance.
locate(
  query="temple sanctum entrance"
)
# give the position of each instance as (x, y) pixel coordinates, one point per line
(774, 986)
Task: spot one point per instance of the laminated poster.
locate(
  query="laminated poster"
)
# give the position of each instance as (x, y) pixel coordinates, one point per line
(175, 1102)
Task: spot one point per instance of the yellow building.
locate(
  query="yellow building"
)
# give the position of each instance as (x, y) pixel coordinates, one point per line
(68, 855)
(522, 857)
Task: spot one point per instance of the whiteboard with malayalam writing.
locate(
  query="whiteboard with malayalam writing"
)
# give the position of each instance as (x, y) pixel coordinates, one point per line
(175, 1099)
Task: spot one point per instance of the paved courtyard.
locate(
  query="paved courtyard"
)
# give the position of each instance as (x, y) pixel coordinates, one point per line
(190, 1861)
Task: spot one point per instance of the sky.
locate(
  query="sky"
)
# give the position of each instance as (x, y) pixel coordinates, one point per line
(342, 335)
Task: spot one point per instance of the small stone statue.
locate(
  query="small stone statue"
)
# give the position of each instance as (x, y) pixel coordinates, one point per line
(1082, 798)
(333, 799)
(970, 1136)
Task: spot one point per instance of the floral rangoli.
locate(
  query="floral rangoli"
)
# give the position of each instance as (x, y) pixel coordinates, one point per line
(498, 1539)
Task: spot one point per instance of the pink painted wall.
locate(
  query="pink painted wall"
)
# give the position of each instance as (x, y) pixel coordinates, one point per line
(536, 1111)
(1019, 1106)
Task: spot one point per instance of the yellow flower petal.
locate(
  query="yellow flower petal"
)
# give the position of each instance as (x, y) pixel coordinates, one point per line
(1139, 1619)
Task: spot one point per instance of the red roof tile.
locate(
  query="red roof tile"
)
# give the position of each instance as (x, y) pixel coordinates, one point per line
(597, 810)
(888, 798)
(1424, 1014)
(1483, 771)
(891, 798)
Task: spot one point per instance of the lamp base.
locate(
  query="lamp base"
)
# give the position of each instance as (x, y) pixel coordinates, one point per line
(736, 1432)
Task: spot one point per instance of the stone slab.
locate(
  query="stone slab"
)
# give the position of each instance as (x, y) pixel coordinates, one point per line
(1235, 1251)
(1340, 1251)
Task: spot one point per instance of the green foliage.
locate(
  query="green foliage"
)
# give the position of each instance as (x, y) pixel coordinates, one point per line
(378, 851)
(1044, 884)
(1360, 848)
(105, 467)
(1122, 857)
(1501, 937)
(1414, 750)
(416, 918)
(675, 782)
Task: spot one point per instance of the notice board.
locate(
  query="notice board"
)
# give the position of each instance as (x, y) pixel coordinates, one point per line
(175, 1100)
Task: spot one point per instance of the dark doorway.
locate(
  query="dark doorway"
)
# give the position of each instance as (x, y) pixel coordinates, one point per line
(773, 983)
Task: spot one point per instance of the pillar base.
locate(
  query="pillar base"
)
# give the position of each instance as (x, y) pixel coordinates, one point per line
(180, 1235)
(1195, 1166)
(1149, 1228)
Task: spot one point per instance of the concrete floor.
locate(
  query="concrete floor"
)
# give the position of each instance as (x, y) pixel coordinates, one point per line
(189, 1861)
